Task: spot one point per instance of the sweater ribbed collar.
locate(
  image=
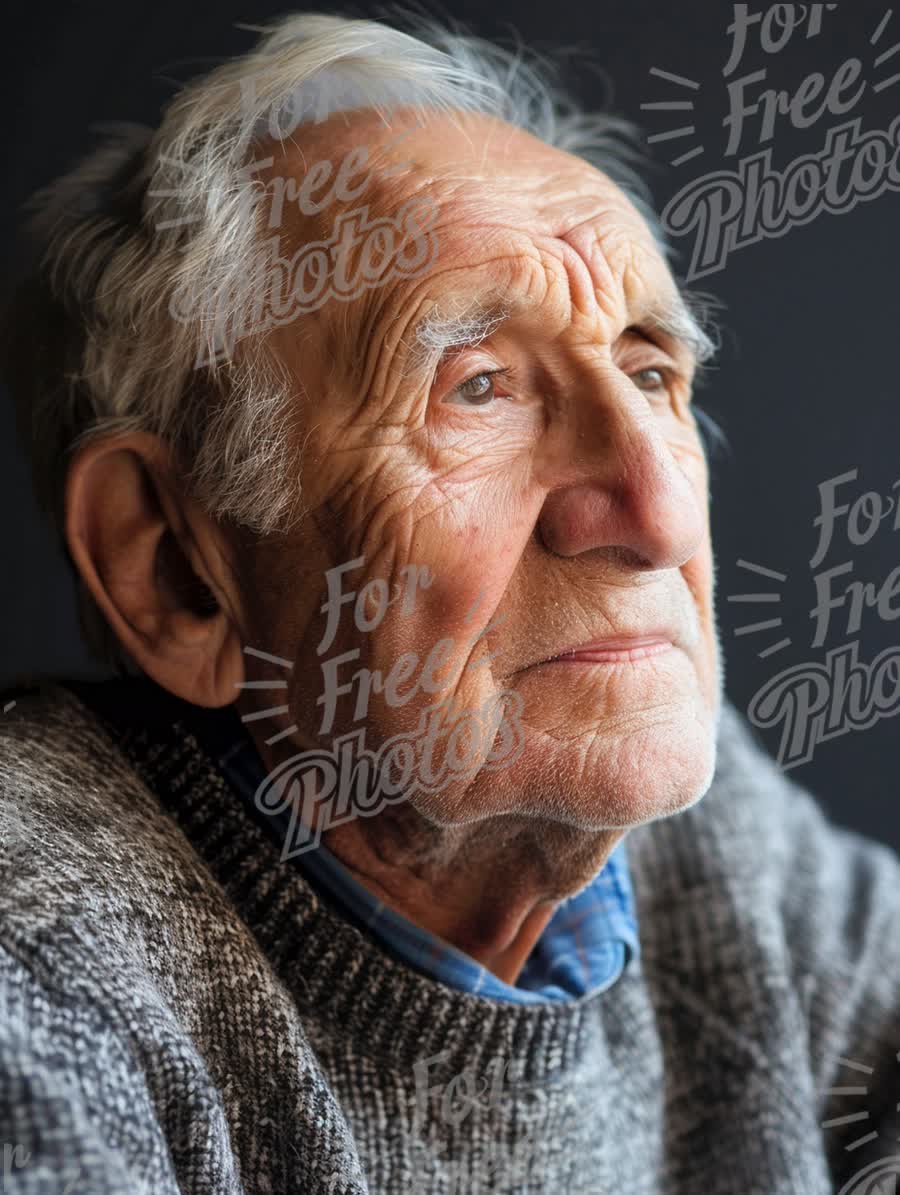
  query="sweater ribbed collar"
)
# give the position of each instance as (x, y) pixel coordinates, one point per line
(333, 970)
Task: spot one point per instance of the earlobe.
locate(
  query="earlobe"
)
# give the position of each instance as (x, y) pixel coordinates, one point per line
(157, 567)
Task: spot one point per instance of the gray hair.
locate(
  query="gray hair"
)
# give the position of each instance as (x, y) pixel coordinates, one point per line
(91, 342)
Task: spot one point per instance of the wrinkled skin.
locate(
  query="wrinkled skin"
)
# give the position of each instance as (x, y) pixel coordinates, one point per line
(558, 503)
(570, 507)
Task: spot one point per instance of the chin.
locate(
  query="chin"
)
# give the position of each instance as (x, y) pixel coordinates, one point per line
(594, 757)
(619, 777)
(660, 774)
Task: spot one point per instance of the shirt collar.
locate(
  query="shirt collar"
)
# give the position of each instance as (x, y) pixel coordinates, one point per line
(585, 947)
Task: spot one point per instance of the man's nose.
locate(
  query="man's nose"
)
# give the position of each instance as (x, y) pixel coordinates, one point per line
(618, 485)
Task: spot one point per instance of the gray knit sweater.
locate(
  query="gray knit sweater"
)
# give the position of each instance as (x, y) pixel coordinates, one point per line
(181, 1012)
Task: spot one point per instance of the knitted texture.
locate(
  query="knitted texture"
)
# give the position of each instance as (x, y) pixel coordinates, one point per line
(181, 1012)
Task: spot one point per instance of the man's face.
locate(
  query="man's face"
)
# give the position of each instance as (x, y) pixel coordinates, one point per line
(521, 493)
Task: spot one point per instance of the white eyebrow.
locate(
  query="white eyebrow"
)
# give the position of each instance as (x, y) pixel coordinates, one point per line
(679, 321)
(471, 323)
(441, 330)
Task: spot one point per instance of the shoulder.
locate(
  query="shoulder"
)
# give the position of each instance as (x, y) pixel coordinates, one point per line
(95, 877)
(72, 807)
(758, 828)
(127, 973)
(756, 870)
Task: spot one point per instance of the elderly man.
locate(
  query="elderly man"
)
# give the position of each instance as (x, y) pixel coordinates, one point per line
(361, 394)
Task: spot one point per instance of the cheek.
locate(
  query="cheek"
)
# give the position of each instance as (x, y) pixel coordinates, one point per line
(692, 461)
(687, 448)
(469, 446)
(699, 576)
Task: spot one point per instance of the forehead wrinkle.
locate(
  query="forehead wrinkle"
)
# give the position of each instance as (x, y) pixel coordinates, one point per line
(669, 310)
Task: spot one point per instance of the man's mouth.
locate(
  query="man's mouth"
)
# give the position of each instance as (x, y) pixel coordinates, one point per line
(622, 649)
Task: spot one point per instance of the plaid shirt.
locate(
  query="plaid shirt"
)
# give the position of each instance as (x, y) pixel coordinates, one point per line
(584, 948)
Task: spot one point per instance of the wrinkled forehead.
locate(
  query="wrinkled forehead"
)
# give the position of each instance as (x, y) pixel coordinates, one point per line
(468, 163)
(481, 193)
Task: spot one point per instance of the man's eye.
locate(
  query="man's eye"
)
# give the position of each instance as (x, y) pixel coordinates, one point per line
(476, 391)
(649, 379)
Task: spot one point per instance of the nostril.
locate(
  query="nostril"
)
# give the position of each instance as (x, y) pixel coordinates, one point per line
(617, 554)
(627, 557)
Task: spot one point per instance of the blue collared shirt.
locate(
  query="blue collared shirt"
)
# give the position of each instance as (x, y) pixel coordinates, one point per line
(584, 947)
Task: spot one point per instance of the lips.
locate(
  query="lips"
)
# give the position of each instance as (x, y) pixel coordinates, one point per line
(620, 648)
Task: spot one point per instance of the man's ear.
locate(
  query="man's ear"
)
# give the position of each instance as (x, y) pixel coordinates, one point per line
(157, 566)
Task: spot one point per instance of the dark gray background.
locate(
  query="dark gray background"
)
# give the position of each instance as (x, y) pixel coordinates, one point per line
(806, 387)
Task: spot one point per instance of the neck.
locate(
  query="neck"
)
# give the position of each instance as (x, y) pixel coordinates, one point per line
(487, 888)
